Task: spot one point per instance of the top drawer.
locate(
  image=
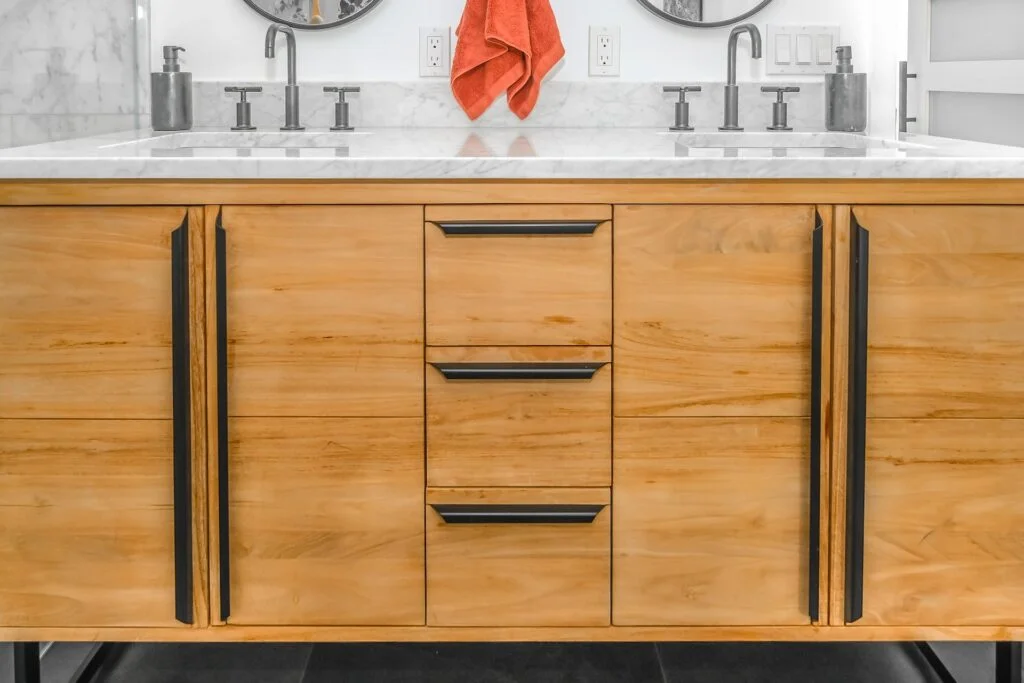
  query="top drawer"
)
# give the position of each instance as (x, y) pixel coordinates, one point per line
(519, 275)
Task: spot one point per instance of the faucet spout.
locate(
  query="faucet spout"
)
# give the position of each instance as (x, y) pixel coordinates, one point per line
(291, 91)
(271, 48)
(734, 39)
(732, 91)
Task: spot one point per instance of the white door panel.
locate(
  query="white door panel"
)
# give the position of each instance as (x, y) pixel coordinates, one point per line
(971, 47)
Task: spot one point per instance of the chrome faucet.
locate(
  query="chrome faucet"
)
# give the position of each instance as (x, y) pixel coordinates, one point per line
(732, 91)
(291, 91)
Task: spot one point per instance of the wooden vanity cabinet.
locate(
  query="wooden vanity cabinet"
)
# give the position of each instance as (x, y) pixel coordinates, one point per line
(319, 312)
(941, 418)
(714, 462)
(95, 452)
(555, 411)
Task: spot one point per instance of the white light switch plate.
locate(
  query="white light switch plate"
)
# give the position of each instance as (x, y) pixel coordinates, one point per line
(801, 49)
(435, 51)
(604, 50)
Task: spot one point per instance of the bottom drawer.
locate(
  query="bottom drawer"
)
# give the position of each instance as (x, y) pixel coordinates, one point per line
(518, 557)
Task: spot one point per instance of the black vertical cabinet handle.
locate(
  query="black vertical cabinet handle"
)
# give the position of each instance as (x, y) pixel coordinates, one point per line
(26, 663)
(181, 411)
(512, 228)
(223, 508)
(817, 283)
(856, 453)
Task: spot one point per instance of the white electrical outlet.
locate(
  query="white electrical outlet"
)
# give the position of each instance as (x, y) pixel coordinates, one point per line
(604, 50)
(435, 51)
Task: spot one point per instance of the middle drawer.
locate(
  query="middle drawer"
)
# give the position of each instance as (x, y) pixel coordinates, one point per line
(519, 416)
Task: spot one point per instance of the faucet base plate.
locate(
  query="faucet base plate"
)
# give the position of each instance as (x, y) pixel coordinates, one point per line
(293, 128)
(243, 128)
(338, 129)
(731, 129)
(781, 128)
(688, 129)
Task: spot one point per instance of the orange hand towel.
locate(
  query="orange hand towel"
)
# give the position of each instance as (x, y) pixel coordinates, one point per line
(504, 45)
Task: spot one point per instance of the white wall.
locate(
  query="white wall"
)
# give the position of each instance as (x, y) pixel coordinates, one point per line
(67, 70)
(888, 29)
(225, 39)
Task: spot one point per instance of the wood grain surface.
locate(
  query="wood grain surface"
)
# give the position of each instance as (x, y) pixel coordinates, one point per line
(946, 311)
(536, 191)
(944, 523)
(713, 310)
(86, 312)
(325, 311)
(326, 521)
(519, 433)
(86, 513)
(710, 522)
(519, 290)
(518, 574)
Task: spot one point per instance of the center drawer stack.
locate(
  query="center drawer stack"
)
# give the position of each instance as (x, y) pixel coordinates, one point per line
(519, 395)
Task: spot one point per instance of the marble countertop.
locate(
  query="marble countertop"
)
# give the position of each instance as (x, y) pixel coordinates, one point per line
(506, 153)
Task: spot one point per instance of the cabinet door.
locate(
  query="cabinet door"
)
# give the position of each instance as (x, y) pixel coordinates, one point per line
(710, 522)
(942, 418)
(327, 521)
(713, 310)
(86, 312)
(90, 523)
(325, 310)
(717, 460)
(320, 431)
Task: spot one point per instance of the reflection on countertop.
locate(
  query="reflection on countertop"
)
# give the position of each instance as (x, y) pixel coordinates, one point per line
(508, 153)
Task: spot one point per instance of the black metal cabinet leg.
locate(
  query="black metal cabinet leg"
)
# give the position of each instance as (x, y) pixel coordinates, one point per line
(935, 663)
(1008, 662)
(26, 663)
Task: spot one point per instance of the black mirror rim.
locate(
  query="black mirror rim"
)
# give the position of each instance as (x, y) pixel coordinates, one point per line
(313, 27)
(702, 24)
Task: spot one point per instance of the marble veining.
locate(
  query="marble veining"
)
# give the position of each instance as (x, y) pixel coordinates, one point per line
(67, 68)
(507, 153)
(563, 104)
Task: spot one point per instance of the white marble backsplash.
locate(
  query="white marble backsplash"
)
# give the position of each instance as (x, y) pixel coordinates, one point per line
(584, 104)
(71, 69)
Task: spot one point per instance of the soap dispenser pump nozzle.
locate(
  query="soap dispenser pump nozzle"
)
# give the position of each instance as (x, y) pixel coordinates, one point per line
(171, 63)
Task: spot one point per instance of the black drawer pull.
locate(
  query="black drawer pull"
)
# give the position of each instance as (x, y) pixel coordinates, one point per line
(511, 228)
(181, 406)
(518, 514)
(518, 371)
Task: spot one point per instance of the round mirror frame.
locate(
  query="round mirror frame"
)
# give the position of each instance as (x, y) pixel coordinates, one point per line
(702, 24)
(314, 27)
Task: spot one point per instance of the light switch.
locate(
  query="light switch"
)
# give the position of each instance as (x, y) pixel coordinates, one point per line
(783, 48)
(803, 48)
(823, 42)
(800, 49)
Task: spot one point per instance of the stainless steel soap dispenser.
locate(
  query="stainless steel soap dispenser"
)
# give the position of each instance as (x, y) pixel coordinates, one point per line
(172, 93)
(846, 94)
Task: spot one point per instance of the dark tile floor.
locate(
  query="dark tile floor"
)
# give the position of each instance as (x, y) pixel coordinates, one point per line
(513, 663)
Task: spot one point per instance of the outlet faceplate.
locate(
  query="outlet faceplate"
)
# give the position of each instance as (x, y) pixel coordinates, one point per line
(604, 50)
(435, 51)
